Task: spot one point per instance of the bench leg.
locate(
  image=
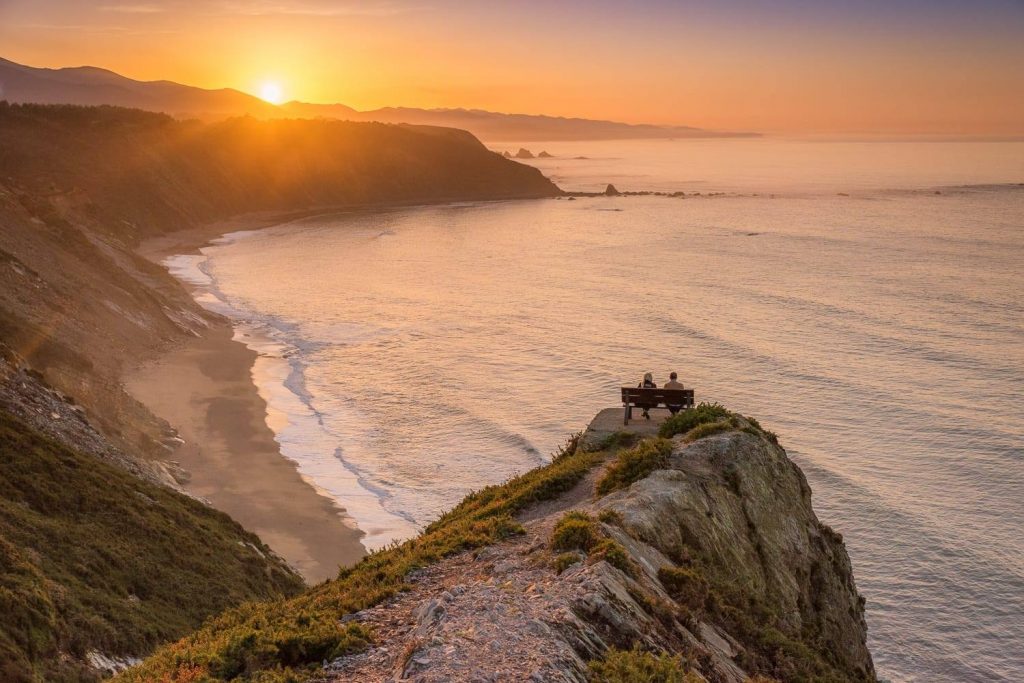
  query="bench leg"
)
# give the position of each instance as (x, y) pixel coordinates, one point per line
(629, 414)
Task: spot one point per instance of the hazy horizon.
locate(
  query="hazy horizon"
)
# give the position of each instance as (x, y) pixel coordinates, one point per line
(907, 68)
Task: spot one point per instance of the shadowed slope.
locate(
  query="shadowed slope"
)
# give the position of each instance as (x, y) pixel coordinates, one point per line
(95, 560)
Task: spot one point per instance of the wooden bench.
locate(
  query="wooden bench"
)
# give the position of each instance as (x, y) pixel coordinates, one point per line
(652, 398)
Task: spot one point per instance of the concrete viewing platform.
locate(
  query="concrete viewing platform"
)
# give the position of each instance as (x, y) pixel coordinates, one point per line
(609, 421)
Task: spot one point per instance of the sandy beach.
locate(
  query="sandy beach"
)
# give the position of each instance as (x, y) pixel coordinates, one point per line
(204, 389)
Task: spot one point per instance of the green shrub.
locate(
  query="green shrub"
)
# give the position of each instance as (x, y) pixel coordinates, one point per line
(686, 585)
(613, 553)
(758, 430)
(566, 560)
(709, 428)
(656, 607)
(610, 516)
(575, 531)
(571, 445)
(637, 666)
(617, 440)
(684, 421)
(634, 464)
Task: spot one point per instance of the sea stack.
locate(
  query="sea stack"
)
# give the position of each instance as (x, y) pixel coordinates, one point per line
(610, 191)
(524, 153)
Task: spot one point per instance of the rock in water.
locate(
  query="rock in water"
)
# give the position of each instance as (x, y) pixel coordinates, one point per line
(611, 191)
(544, 155)
(524, 153)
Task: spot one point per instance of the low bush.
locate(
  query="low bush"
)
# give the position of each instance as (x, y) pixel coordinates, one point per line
(575, 531)
(609, 516)
(613, 553)
(566, 560)
(617, 440)
(637, 666)
(684, 421)
(686, 585)
(634, 464)
(709, 428)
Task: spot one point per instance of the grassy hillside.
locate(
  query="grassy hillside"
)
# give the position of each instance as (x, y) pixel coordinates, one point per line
(93, 559)
(160, 174)
(282, 641)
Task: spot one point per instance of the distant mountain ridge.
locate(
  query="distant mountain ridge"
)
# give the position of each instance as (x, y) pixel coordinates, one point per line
(87, 85)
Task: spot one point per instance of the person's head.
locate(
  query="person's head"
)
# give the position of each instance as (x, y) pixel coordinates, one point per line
(672, 375)
(648, 377)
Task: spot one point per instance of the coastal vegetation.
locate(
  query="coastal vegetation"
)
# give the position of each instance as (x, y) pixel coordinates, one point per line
(283, 640)
(575, 531)
(684, 421)
(95, 561)
(288, 640)
(638, 666)
(635, 463)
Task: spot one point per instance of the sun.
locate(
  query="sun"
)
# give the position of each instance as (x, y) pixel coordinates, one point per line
(271, 92)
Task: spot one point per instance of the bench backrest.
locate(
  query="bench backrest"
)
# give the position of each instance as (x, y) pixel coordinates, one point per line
(672, 397)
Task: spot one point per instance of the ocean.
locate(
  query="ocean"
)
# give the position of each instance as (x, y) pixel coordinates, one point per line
(864, 300)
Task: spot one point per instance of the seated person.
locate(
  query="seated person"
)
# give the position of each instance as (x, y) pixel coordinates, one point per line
(648, 383)
(673, 383)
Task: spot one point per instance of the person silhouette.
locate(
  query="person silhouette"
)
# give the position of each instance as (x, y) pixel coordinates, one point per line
(647, 383)
(673, 383)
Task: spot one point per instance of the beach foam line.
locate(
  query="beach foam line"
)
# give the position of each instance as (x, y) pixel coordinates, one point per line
(298, 427)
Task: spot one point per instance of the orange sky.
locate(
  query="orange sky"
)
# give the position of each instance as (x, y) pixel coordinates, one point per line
(917, 66)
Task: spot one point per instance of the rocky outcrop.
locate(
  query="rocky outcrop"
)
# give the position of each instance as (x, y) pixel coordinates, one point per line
(524, 153)
(724, 563)
(734, 504)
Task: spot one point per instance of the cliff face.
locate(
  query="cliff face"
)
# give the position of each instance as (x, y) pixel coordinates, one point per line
(701, 559)
(736, 507)
(719, 558)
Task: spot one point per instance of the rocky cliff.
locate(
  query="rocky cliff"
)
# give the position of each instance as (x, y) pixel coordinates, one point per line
(691, 558)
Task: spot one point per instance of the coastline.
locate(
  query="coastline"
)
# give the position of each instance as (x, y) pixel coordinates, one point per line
(205, 389)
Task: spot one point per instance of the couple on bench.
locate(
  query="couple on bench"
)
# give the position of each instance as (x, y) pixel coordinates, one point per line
(648, 383)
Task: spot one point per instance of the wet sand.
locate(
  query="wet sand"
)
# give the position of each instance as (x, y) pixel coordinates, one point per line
(205, 390)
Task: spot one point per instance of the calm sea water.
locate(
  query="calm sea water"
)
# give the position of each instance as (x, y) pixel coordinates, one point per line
(863, 300)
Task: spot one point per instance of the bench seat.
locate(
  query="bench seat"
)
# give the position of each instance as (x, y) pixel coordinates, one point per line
(652, 398)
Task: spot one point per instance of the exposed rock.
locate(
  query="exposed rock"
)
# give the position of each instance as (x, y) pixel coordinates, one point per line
(731, 505)
(611, 191)
(545, 155)
(524, 153)
(739, 505)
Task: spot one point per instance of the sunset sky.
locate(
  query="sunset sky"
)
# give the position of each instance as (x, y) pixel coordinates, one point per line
(809, 66)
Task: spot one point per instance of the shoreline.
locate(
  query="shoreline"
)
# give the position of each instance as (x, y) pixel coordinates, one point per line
(205, 389)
